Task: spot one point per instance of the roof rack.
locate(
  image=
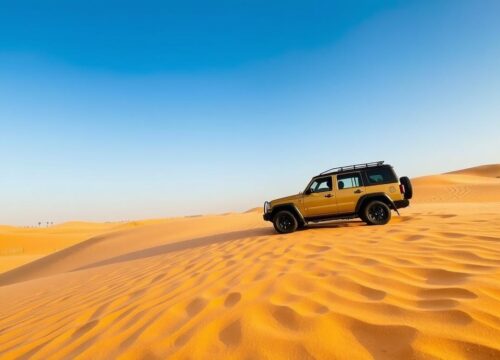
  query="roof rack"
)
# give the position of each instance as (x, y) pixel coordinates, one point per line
(351, 167)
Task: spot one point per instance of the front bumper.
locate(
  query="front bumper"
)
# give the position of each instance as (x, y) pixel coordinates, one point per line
(401, 203)
(267, 217)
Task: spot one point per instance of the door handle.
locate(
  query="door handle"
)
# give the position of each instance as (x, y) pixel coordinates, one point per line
(358, 191)
(328, 195)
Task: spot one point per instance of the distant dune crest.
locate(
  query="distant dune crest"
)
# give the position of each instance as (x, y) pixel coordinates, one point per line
(477, 184)
(492, 170)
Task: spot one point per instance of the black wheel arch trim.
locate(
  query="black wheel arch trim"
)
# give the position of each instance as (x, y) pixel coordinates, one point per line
(367, 197)
(289, 206)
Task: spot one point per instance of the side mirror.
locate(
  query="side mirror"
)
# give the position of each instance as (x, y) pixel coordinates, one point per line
(308, 192)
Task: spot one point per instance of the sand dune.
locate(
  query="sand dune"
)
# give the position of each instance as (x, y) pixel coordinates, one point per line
(122, 245)
(479, 184)
(427, 285)
(19, 246)
(492, 170)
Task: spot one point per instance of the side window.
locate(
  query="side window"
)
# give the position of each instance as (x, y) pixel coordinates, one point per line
(381, 175)
(348, 181)
(321, 185)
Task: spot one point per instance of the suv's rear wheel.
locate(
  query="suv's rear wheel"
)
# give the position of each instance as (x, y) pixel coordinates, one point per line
(285, 222)
(376, 213)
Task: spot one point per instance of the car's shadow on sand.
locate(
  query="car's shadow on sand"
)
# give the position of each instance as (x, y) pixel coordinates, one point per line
(182, 245)
(211, 239)
(335, 224)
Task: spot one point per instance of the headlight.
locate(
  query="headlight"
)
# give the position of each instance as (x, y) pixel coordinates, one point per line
(267, 207)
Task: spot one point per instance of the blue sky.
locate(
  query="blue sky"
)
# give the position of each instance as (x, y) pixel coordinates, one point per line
(115, 110)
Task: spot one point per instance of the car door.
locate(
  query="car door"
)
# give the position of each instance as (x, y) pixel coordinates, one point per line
(319, 198)
(349, 188)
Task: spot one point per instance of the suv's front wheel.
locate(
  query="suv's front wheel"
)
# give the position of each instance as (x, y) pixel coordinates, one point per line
(376, 213)
(285, 222)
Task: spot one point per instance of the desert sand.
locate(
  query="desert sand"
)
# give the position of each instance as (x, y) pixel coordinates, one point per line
(425, 286)
(19, 246)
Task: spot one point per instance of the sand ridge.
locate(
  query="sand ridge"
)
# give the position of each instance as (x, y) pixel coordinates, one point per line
(22, 245)
(425, 286)
(479, 184)
(490, 170)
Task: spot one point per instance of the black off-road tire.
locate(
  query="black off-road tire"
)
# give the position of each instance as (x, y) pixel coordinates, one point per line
(285, 222)
(376, 213)
(362, 216)
(405, 181)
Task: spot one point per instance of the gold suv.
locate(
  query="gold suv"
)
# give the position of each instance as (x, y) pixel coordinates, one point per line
(368, 191)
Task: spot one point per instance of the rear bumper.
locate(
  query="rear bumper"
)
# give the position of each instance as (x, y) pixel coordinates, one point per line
(401, 203)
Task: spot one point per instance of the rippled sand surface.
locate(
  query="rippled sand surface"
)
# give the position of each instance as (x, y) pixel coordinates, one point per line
(425, 286)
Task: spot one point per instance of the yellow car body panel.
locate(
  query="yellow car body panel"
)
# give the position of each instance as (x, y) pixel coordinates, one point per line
(348, 198)
(392, 190)
(319, 204)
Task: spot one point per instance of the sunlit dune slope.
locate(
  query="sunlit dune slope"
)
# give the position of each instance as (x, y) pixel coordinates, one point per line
(492, 170)
(425, 286)
(123, 245)
(479, 184)
(22, 245)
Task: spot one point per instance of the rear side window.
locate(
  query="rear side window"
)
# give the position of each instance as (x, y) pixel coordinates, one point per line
(382, 175)
(348, 181)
